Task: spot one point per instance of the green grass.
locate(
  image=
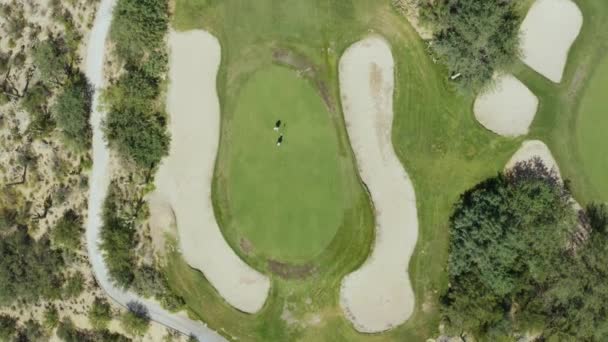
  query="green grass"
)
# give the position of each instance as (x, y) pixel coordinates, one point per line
(435, 135)
(286, 201)
(592, 132)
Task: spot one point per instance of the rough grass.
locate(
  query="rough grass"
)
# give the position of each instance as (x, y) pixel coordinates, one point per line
(435, 134)
(592, 129)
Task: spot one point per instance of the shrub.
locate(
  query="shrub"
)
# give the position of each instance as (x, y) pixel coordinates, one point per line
(68, 231)
(135, 321)
(72, 111)
(100, 314)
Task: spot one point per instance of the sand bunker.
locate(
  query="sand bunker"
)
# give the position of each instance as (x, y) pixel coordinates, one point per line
(184, 178)
(531, 149)
(379, 295)
(508, 108)
(548, 31)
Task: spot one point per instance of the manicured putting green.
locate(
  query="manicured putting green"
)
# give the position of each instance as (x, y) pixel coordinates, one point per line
(592, 131)
(287, 201)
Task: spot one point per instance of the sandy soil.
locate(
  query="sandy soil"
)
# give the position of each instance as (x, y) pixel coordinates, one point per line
(548, 31)
(378, 296)
(531, 149)
(508, 108)
(185, 177)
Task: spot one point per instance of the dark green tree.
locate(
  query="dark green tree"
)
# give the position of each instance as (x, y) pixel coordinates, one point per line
(474, 38)
(506, 237)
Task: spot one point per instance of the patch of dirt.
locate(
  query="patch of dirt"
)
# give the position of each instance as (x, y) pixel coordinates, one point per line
(306, 69)
(289, 271)
(246, 246)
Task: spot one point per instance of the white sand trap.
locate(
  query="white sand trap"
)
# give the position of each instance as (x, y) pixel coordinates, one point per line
(548, 31)
(508, 108)
(378, 296)
(185, 176)
(531, 149)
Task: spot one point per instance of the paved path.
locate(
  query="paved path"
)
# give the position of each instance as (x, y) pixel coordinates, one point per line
(99, 181)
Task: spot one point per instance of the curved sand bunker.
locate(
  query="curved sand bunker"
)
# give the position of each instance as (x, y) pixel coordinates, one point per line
(184, 178)
(548, 31)
(507, 109)
(379, 295)
(531, 149)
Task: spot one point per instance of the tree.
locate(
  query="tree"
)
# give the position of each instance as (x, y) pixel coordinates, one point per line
(474, 38)
(100, 314)
(507, 236)
(8, 327)
(68, 230)
(72, 110)
(135, 320)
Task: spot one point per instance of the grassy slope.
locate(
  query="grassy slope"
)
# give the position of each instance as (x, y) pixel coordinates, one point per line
(435, 135)
(288, 201)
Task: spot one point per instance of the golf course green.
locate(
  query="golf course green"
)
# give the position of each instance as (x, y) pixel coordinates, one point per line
(303, 205)
(286, 202)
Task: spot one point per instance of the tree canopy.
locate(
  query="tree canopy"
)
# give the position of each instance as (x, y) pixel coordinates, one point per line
(474, 38)
(515, 263)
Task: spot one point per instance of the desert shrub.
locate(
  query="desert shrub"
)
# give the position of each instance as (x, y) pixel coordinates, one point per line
(73, 286)
(68, 231)
(32, 331)
(8, 327)
(474, 38)
(29, 269)
(52, 60)
(135, 321)
(100, 313)
(138, 136)
(118, 241)
(139, 26)
(72, 111)
(51, 317)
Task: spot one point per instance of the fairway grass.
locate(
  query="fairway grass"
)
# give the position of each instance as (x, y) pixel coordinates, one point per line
(434, 133)
(286, 202)
(592, 132)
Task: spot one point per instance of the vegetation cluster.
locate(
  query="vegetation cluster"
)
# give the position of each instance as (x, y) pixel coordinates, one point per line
(524, 258)
(473, 38)
(136, 122)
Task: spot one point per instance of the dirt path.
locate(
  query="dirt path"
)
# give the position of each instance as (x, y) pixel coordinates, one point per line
(185, 177)
(378, 296)
(99, 181)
